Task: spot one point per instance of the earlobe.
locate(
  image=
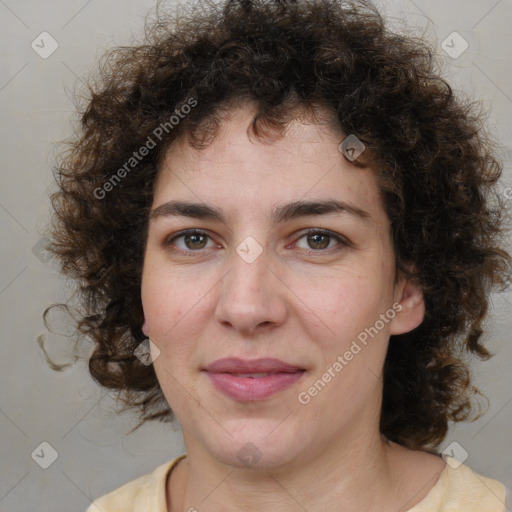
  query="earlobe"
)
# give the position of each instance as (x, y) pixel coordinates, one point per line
(145, 328)
(412, 308)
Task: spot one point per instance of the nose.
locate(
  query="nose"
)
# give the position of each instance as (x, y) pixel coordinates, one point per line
(252, 297)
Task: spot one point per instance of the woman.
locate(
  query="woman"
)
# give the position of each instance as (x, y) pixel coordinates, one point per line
(279, 217)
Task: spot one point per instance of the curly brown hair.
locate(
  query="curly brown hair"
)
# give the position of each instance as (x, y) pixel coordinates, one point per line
(434, 160)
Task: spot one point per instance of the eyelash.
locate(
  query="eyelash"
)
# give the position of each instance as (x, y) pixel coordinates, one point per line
(342, 241)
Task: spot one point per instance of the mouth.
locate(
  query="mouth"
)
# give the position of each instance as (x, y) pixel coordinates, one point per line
(252, 380)
(252, 375)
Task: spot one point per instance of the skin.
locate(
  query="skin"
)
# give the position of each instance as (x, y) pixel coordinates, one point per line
(303, 300)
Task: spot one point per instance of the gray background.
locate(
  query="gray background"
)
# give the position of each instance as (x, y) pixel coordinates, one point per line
(66, 409)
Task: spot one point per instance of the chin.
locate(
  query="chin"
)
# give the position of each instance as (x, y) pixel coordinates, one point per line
(256, 445)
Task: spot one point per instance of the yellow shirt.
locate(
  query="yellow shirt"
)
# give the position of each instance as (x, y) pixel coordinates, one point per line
(457, 490)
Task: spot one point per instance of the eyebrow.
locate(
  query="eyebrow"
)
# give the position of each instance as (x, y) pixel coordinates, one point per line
(279, 214)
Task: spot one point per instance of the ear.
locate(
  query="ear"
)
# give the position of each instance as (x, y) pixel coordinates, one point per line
(409, 306)
(145, 328)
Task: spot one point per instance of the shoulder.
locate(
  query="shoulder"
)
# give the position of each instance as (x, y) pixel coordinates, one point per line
(144, 494)
(461, 489)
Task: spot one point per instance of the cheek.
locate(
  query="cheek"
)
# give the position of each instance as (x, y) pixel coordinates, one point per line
(165, 309)
(349, 312)
(174, 310)
(343, 306)
(161, 309)
(166, 299)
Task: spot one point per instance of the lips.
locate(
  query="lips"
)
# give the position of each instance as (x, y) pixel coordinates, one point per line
(252, 380)
(241, 366)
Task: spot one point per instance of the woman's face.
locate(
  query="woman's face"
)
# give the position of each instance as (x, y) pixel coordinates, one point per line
(253, 284)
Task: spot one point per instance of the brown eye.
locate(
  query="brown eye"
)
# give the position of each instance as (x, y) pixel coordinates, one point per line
(193, 240)
(319, 240)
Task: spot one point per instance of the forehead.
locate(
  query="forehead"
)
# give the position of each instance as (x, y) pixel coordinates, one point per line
(239, 170)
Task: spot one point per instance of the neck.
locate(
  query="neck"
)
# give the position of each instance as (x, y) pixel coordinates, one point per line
(337, 478)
